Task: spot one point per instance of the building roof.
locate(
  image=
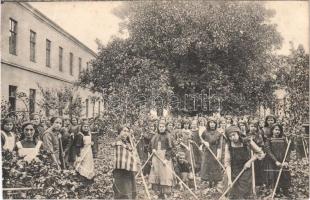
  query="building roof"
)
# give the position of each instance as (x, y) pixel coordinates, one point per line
(56, 27)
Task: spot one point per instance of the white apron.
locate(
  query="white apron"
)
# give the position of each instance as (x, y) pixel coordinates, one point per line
(9, 141)
(28, 153)
(86, 166)
(160, 173)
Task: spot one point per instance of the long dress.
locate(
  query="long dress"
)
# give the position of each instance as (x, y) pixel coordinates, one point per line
(235, 158)
(124, 184)
(242, 188)
(86, 166)
(161, 176)
(210, 168)
(9, 140)
(275, 149)
(28, 149)
(73, 130)
(258, 164)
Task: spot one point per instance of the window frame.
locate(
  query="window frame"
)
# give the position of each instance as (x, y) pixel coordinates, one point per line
(12, 97)
(71, 63)
(33, 36)
(60, 58)
(13, 34)
(48, 53)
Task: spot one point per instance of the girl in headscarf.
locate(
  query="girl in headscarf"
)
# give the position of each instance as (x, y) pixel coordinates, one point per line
(28, 148)
(237, 158)
(124, 184)
(210, 168)
(276, 147)
(84, 163)
(8, 137)
(161, 176)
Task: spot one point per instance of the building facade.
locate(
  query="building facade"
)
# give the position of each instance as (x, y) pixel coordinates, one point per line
(36, 52)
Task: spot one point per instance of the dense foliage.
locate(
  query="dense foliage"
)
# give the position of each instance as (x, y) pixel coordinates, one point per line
(227, 50)
(293, 77)
(60, 101)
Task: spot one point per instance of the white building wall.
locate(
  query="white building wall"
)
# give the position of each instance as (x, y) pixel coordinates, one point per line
(19, 71)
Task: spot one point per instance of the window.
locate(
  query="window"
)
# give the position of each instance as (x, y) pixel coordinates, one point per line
(32, 46)
(32, 100)
(86, 101)
(60, 58)
(71, 63)
(48, 53)
(13, 37)
(12, 97)
(80, 65)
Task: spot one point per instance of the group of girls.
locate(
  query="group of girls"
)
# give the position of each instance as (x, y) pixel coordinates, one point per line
(217, 151)
(68, 142)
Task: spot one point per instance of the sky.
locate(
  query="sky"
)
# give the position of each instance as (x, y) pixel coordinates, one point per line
(90, 20)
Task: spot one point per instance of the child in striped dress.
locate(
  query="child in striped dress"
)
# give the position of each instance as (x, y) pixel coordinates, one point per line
(125, 166)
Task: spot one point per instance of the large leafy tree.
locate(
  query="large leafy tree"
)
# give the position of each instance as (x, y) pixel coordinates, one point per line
(224, 46)
(293, 76)
(129, 83)
(194, 47)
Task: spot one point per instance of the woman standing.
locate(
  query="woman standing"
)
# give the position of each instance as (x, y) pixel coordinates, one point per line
(73, 131)
(28, 148)
(51, 140)
(186, 136)
(84, 163)
(195, 147)
(237, 158)
(276, 147)
(124, 185)
(161, 176)
(8, 137)
(256, 136)
(210, 168)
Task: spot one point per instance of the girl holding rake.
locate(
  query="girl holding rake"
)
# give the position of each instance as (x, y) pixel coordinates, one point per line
(238, 160)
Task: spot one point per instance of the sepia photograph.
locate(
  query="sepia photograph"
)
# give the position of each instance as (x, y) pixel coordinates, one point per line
(152, 100)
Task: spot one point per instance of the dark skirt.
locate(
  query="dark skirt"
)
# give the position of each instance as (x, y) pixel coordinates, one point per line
(210, 168)
(242, 189)
(272, 172)
(124, 185)
(259, 172)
